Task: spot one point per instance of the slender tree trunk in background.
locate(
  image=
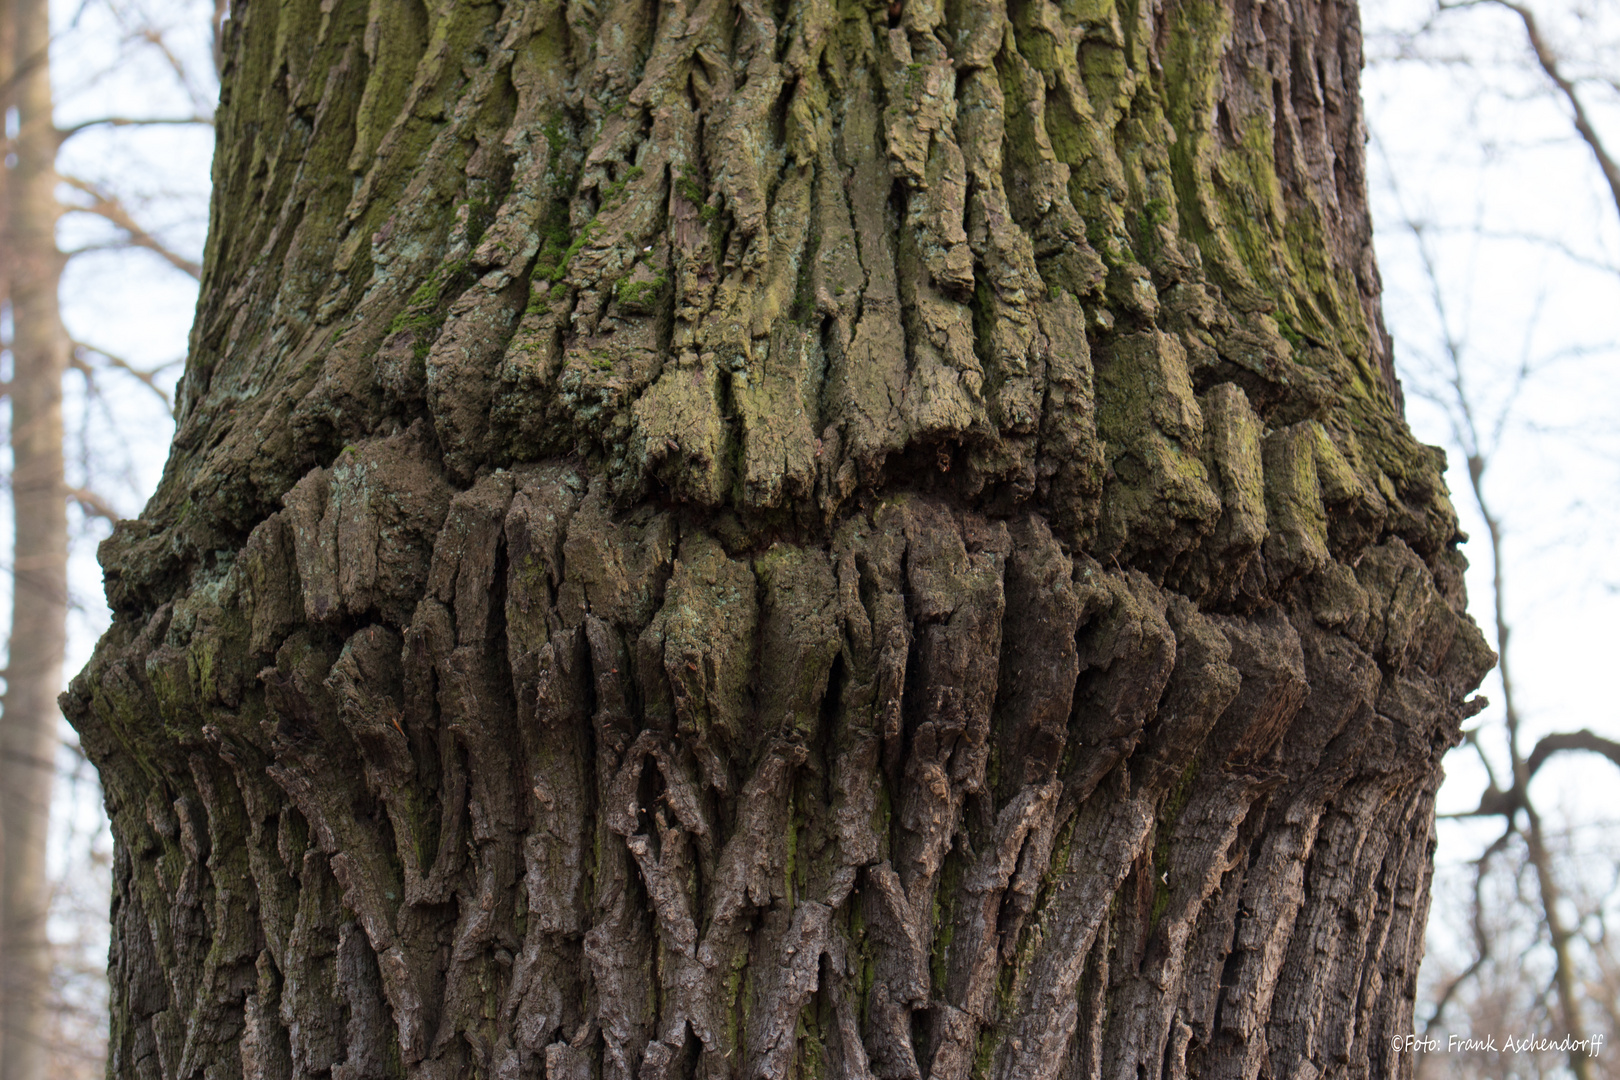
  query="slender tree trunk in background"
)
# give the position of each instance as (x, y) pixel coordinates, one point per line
(735, 540)
(28, 712)
(1560, 936)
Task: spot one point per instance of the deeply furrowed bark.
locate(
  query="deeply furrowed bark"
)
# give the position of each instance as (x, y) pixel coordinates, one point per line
(739, 540)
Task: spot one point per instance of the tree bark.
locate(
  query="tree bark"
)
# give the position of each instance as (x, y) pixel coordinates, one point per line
(741, 540)
(28, 713)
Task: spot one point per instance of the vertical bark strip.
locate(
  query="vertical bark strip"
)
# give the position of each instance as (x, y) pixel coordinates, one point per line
(38, 633)
(739, 540)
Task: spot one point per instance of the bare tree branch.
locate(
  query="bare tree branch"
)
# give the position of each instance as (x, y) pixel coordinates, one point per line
(64, 134)
(147, 32)
(1482, 939)
(1548, 59)
(1480, 438)
(146, 376)
(1525, 237)
(106, 205)
(1493, 802)
(1583, 740)
(94, 504)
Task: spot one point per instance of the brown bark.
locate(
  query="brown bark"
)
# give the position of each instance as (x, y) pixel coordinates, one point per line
(28, 712)
(823, 540)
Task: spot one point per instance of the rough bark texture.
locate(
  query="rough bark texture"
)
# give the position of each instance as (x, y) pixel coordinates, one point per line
(732, 540)
(32, 268)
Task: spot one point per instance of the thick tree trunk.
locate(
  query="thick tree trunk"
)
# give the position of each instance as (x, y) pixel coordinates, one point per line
(28, 712)
(724, 540)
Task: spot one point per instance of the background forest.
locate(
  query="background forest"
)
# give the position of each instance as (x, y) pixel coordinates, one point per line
(1492, 134)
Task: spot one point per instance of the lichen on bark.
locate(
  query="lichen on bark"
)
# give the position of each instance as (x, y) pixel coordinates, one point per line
(725, 539)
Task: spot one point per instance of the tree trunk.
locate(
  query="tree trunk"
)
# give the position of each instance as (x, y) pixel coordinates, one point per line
(725, 540)
(28, 712)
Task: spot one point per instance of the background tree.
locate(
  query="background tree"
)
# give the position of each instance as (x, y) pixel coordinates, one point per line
(41, 486)
(1510, 349)
(861, 540)
(39, 354)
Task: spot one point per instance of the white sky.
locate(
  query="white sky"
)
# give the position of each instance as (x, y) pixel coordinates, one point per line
(1468, 145)
(1468, 150)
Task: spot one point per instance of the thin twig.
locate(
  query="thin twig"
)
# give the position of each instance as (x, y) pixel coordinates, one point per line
(106, 205)
(146, 376)
(1548, 59)
(64, 134)
(94, 504)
